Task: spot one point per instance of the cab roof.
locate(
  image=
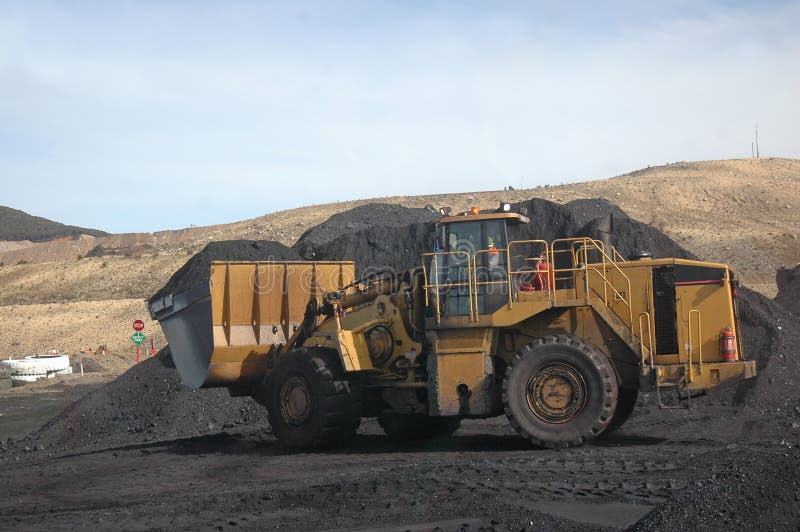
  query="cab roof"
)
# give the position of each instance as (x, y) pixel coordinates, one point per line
(512, 217)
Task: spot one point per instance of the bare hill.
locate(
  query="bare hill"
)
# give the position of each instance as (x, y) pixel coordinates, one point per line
(742, 212)
(17, 225)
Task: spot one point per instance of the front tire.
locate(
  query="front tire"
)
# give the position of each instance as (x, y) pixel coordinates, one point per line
(309, 402)
(560, 391)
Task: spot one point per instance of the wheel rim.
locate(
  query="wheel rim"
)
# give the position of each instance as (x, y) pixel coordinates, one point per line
(556, 393)
(295, 396)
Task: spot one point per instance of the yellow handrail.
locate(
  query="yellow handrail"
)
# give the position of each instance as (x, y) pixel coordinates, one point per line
(596, 244)
(695, 312)
(552, 259)
(475, 268)
(646, 315)
(438, 285)
(512, 273)
(615, 253)
(580, 243)
(599, 246)
(578, 248)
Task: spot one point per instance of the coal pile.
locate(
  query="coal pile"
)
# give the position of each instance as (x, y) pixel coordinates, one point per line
(146, 403)
(584, 211)
(397, 248)
(374, 236)
(198, 269)
(362, 218)
(550, 221)
(771, 338)
(788, 281)
(388, 236)
(630, 236)
(401, 235)
(748, 488)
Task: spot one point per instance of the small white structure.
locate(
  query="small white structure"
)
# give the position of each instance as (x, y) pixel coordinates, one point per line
(35, 367)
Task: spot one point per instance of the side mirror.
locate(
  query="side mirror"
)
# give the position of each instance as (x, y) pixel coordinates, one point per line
(440, 238)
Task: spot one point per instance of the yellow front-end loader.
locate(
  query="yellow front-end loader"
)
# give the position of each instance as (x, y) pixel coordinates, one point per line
(559, 336)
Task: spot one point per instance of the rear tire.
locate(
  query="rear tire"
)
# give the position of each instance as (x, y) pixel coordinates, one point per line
(417, 427)
(560, 391)
(309, 402)
(626, 403)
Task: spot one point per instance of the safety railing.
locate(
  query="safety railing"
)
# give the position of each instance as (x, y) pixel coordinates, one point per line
(612, 254)
(649, 348)
(562, 277)
(581, 247)
(695, 312)
(447, 285)
(550, 277)
(580, 257)
(580, 254)
(516, 276)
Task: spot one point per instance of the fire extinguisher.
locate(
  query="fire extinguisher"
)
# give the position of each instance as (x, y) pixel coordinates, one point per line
(540, 280)
(727, 344)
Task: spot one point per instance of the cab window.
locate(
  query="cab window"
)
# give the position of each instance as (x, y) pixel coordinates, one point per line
(474, 236)
(464, 239)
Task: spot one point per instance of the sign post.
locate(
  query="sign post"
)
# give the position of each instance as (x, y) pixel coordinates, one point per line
(138, 337)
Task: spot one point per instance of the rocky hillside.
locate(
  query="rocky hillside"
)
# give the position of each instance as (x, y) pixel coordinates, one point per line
(16, 225)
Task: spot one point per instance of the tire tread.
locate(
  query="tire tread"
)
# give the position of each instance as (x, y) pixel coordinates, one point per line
(339, 401)
(608, 378)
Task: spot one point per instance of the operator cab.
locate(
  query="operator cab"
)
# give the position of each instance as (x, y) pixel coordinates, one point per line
(470, 256)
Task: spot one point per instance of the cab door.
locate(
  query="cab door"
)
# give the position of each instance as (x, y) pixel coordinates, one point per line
(477, 268)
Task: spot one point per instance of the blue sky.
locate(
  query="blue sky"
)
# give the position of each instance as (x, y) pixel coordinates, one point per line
(141, 116)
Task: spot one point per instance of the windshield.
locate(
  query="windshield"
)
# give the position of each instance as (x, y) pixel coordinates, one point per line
(473, 236)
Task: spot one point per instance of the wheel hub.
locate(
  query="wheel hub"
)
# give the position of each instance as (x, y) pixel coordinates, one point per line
(556, 393)
(295, 397)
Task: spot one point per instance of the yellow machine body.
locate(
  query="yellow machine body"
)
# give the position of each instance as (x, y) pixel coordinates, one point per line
(437, 340)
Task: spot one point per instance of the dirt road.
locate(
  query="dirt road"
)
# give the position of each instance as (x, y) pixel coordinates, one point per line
(485, 477)
(22, 413)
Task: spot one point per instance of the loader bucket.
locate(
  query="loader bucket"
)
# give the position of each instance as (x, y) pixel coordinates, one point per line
(226, 332)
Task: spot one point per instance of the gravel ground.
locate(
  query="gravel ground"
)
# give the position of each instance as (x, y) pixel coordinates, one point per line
(665, 470)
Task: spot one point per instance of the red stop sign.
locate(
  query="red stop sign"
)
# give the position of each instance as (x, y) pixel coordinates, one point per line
(138, 325)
